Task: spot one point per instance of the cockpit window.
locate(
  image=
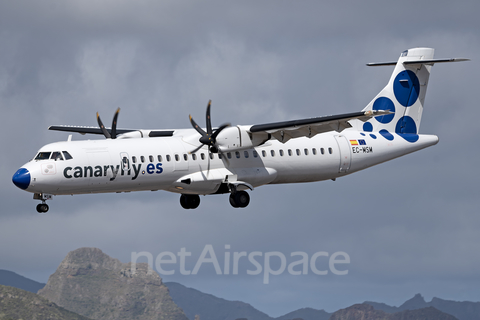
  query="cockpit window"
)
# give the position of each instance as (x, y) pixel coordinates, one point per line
(43, 156)
(57, 155)
(67, 155)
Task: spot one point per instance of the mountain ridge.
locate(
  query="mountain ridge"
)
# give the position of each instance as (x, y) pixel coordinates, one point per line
(91, 283)
(12, 279)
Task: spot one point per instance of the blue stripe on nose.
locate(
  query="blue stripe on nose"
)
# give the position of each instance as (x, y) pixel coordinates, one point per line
(21, 178)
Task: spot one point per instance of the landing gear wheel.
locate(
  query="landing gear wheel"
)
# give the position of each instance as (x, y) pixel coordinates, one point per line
(239, 199)
(189, 201)
(42, 208)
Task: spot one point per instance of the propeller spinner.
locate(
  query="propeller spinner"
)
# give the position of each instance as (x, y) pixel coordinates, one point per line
(208, 138)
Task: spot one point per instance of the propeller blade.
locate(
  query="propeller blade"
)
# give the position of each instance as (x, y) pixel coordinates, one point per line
(208, 119)
(196, 149)
(102, 127)
(114, 125)
(196, 127)
(215, 134)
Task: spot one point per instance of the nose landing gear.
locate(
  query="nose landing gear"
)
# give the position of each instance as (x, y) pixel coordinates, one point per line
(42, 207)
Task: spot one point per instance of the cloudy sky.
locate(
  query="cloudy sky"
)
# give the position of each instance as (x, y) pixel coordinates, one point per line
(409, 226)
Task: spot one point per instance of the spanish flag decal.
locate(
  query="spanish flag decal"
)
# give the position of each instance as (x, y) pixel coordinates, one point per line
(354, 142)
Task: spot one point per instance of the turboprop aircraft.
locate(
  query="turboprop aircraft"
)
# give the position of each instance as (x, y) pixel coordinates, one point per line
(232, 159)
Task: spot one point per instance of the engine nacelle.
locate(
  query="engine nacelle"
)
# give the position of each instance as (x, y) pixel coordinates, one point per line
(239, 137)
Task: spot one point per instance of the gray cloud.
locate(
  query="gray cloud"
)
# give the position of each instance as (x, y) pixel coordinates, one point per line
(409, 225)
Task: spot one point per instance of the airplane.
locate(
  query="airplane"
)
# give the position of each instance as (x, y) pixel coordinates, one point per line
(232, 159)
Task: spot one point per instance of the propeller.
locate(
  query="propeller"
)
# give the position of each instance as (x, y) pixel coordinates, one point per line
(209, 137)
(113, 132)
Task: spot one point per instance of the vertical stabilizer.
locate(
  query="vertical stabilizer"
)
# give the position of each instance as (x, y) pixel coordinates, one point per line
(404, 94)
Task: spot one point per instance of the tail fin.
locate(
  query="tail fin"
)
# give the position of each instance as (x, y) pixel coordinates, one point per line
(405, 92)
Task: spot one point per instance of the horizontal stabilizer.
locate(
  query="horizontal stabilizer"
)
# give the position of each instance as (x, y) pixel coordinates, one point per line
(429, 62)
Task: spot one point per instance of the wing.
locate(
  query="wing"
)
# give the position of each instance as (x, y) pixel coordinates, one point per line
(96, 130)
(286, 130)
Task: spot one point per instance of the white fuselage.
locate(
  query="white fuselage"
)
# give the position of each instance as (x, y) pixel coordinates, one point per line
(164, 163)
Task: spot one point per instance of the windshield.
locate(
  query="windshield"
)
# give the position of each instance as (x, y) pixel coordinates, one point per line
(55, 155)
(43, 156)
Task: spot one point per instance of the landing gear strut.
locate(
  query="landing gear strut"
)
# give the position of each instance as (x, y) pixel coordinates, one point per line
(42, 207)
(189, 201)
(239, 199)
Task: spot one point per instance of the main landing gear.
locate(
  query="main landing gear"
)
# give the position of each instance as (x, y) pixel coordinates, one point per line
(238, 199)
(189, 201)
(42, 207)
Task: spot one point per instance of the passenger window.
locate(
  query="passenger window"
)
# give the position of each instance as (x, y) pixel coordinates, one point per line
(159, 157)
(255, 154)
(290, 152)
(330, 150)
(150, 158)
(306, 151)
(56, 156)
(264, 154)
(202, 155)
(237, 154)
(298, 152)
(245, 153)
(322, 151)
(219, 156)
(177, 157)
(142, 158)
(134, 159)
(281, 153)
(185, 157)
(67, 155)
(211, 156)
(229, 155)
(168, 157)
(272, 152)
(314, 151)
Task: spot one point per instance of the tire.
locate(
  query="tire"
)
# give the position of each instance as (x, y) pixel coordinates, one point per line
(239, 199)
(189, 201)
(193, 201)
(232, 200)
(183, 202)
(42, 208)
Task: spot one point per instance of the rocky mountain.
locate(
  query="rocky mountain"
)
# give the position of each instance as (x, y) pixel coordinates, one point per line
(92, 284)
(464, 310)
(365, 311)
(209, 307)
(306, 314)
(20, 304)
(12, 279)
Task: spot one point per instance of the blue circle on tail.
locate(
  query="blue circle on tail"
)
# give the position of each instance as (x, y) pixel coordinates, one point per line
(406, 88)
(367, 127)
(406, 125)
(383, 103)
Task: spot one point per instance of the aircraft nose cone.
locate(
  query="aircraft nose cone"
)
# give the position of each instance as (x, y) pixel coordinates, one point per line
(21, 178)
